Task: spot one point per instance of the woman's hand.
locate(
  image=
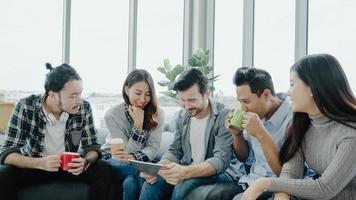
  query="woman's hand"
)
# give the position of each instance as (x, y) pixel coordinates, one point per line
(256, 189)
(122, 155)
(137, 114)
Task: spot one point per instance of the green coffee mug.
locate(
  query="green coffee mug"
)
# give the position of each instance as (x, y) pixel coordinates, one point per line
(237, 117)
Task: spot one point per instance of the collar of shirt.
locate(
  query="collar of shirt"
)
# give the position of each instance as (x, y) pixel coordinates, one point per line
(51, 119)
(278, 117)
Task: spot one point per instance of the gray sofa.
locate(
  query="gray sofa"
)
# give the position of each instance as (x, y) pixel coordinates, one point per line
(75, 190)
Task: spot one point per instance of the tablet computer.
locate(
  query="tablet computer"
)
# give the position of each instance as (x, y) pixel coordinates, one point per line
(147, 167)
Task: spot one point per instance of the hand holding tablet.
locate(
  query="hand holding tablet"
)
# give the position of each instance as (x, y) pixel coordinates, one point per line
(147, 167)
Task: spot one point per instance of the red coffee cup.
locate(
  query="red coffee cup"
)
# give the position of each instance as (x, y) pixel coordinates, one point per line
(66, 157)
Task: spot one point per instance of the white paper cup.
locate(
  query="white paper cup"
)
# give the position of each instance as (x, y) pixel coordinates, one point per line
(115, 144)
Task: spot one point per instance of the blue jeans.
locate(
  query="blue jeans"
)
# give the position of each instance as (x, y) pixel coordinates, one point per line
(132, 183)
(161, 188)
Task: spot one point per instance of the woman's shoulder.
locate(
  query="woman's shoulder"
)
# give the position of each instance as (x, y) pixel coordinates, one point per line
(116, 111)
(347, 130)
(160, 114)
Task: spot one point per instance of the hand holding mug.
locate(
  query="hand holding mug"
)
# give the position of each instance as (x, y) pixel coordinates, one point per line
(70, 160)
(51, 163)
(122, 155)
(77, 166)
(253, 125)
(234, 122)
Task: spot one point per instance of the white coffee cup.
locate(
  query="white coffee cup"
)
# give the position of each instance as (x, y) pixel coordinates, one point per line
(116, 143)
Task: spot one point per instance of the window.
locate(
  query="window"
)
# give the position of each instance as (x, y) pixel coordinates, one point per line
(274, 40)
(334, 35)
(228, 44)
(99, 44)
(30, 36)
(159, 35)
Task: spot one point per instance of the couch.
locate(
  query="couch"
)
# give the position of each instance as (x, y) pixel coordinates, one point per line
(77, 190)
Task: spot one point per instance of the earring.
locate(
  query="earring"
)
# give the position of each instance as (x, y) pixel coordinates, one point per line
(311, 95)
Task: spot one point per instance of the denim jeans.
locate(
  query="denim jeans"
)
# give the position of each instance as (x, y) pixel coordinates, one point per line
(132, 183)
(161, 188)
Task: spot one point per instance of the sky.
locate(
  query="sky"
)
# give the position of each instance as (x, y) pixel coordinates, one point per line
(31, 35)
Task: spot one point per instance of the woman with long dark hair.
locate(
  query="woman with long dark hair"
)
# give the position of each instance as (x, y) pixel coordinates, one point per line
(139, 123)
(322, 135)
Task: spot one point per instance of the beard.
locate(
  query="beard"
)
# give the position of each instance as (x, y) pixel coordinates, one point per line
(63, 109)
(192, 112)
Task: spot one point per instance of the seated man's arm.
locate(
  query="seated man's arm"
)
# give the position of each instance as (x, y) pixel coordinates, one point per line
(240, 146)
(175, 151)
(174, 173)
(16, 135)
(222, 153)
(203, 169)
(222, 148)
(239, 143)
(49, 163)
(89, 138)
(255, 128)
(271, 152)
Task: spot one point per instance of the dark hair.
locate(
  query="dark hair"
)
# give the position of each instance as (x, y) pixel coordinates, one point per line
(257, 79)
(190, 77)
(331, 92)
(150, 109)
(58, 77)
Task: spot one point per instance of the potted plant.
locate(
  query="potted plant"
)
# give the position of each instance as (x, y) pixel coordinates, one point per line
(199, 60)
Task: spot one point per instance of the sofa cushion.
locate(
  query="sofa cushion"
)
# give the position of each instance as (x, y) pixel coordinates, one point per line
(56, 191)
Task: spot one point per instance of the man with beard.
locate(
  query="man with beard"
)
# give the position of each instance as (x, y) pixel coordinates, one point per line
(44, 126)
(201, 151)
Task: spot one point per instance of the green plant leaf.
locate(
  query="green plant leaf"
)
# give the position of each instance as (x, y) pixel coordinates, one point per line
(214, 78)
(162, 70)
(191, 61)
(171, 85)
(167, 64)
(172, 75)
(164, 83)
(169, 94)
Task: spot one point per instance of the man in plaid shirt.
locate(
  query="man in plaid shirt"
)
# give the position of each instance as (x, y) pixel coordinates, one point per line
(42, 127)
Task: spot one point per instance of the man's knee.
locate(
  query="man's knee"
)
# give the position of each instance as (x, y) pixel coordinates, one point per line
(155, 191)
(7, 174)
(8, 188)
(130, 184)
(182, 189)
(101, 167)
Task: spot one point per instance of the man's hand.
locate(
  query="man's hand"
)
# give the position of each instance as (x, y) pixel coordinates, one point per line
(235, 132)
(51, 163)
(253, 125)
(79, 164)
(122, 155)
(150, 179)
(137, 114)
(281, 196)
(173, 173)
